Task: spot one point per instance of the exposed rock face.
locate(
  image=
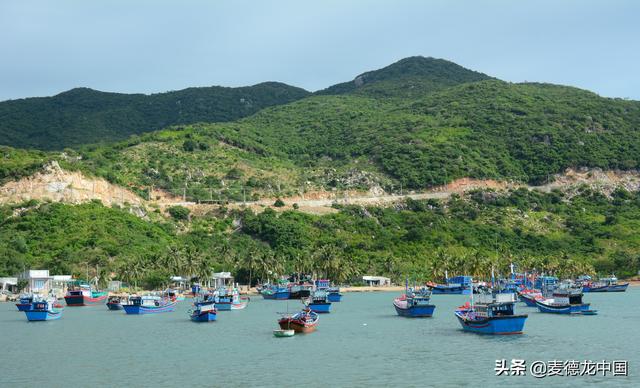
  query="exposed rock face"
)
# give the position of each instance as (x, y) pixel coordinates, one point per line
(55, 184)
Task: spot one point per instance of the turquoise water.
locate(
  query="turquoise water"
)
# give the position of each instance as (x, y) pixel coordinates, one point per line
(361, 343)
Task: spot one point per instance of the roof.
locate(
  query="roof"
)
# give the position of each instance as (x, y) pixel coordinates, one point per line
(222, 275)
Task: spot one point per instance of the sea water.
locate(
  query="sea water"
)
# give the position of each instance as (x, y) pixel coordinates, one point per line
(362, 342)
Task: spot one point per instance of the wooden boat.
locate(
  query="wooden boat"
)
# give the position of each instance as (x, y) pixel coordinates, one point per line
(43, 310)
(148, 304)
(529, 297)
(275, 292)
(204, 313)
(284, 333)
(565, 300)
(491, 314)
(333, 293)
(83, 295)
(414, 304)
(305, 321)
(114, 303)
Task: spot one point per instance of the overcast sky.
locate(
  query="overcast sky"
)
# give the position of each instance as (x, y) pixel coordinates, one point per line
(151, 46)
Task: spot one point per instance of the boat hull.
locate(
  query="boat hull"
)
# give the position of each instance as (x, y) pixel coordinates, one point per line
(299, 294)
(23, 306)
(238, 306)
(278, 295)
(320, 308)
(528, 300)
(84, 300)
(424, 311)
(140, 310)
(562, 309)
(223, 306)
(513, 324)
(334, 297)
(35, 315)
(618, 287)
(205, 316)
(443, 290)
(297, 326)
(114, 306)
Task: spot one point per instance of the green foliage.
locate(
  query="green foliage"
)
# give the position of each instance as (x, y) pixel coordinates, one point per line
(278, 203)
(179, 213)
(84, 116)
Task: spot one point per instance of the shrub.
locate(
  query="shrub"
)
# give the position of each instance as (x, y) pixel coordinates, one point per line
(179, 212)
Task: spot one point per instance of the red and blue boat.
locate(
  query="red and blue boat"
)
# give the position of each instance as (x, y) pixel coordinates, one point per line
(44, 310)
(25, 302)
(414, 304)
(83, 295)
(304, 322)
(457, 285)
(318, 302)
(492, 314)
(565, 300)
(148, 304)
(204, 312)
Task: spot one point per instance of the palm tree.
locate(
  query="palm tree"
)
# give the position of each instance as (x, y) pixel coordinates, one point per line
(174, 260)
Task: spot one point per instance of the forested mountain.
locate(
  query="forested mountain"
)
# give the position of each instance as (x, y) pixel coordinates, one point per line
(82, 116)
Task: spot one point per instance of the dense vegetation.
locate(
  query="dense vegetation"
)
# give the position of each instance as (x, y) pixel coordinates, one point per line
(569, 236)
(83, 116)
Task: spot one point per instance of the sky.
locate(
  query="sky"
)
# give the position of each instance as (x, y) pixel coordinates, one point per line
(149, 46)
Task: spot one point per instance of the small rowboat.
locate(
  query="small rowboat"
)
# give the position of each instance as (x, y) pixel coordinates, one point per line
(284, 333)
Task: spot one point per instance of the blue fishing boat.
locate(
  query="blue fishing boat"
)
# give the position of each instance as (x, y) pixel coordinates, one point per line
(148, 304)
(460, 285)
(333, 293)
(318, 302)
(275, 292)
(609, 284)
(204, 313)
(492, 314)
(414, 304)
(43, 310)
(565, 300)
(25, 302)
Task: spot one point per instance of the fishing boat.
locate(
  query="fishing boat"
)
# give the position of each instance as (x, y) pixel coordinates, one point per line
(300, 291)
(115, 302)
(414, 304)
(530, 296)
(25, 302)
(609, 284)
(491, 314)
(306, 321)
(148, 304)
(83, 295)
(44, 310)
(333, 293)
(565, 300)
(204, 313)
(318, 302)
(275, 292)
(456, 285)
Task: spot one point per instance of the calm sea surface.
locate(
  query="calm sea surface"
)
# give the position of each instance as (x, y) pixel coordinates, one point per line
(361, 343)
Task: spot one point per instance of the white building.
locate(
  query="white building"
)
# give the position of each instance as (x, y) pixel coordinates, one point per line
(376, 280)
(38, 280)
(9, 285)
(221, 279)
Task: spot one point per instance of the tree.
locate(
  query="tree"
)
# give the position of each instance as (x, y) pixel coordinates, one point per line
(179, 213)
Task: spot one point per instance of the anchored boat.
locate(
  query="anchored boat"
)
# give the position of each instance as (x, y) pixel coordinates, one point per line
(204, 313)
(306, 321)
(114, 303)
(414, 304)
(456, 285)
(43, 310)
(609, 284)
(148, 304)
(318, 302)
(82, 295)
(491, 314)
(565, 300)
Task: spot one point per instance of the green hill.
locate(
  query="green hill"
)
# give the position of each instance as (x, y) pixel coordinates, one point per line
(409, 77)
(489, 129)
(84, 116)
